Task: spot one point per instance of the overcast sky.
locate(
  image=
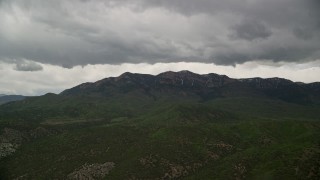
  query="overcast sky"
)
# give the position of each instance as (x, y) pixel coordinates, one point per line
(50, 45)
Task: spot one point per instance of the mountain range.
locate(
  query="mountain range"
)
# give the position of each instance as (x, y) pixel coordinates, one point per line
(9, 98)
(168, 126)
(207, 86)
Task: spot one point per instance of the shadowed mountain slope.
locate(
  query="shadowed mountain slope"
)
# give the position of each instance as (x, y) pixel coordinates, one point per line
(9, 98)
(206, 86)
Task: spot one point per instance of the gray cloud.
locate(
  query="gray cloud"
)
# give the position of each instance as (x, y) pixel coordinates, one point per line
(27, 66)
(303, 33)
(70, 33)
(251, 30)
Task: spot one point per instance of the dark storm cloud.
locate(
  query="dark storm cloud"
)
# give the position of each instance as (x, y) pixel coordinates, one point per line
(276, 54)
(70, 33)
(251, 30)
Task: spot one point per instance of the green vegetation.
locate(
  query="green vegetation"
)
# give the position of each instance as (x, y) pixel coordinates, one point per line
(168, 133)
(221, 139)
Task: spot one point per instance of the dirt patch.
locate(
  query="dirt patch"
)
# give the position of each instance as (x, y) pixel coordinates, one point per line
(224, 146)
(240, 171)
(92, 171)
(148, 161)
(172, 170)
(176, 171)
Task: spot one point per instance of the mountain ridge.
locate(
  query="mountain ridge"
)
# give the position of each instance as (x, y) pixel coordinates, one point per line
(184, 74)
(208, 85)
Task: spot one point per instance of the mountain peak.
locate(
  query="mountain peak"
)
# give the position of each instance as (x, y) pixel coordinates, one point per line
(185, 72)
(125, 75)
(178, 74)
